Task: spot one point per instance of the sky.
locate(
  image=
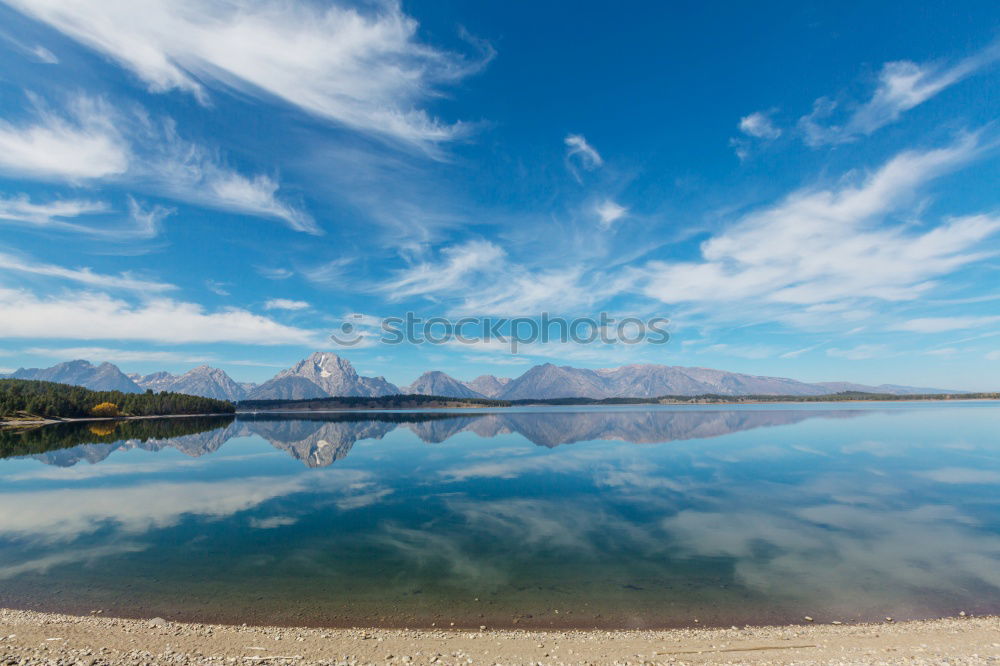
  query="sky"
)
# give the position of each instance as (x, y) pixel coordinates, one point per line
(804, 189)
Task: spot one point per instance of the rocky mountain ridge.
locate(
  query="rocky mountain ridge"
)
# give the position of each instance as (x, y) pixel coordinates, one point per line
(325, 374)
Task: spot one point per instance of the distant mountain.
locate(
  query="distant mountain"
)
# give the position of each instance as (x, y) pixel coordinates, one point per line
(104, 377)
(436, 382)
(288, 388)
(551, 381)
(320, 376)
(203, 380)
(208, 382)
(157, 381)
(324, 374)
(650, 381)
(839, 387)
(488, 385)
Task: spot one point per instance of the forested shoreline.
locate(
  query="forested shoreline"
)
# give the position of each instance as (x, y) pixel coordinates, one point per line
(26, 399)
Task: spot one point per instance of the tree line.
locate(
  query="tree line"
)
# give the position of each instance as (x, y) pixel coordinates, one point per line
(22, 398)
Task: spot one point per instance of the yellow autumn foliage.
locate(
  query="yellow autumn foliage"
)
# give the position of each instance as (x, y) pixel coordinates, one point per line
(105, 409)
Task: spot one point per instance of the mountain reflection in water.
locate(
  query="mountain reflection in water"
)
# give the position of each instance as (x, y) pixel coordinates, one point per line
(320, 439)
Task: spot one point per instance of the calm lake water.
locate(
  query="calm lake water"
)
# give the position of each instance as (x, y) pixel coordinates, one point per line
(613, 517)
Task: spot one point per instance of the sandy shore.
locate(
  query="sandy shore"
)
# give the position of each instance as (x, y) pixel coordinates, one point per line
(42, 638)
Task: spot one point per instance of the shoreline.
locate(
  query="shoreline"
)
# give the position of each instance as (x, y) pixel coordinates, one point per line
(30, 637)
(239, 412)
(90, 419)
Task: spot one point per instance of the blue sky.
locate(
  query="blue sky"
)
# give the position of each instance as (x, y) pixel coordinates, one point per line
(805, 190)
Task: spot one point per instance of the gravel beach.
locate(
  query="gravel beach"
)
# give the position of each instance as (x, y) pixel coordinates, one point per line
(42, 638)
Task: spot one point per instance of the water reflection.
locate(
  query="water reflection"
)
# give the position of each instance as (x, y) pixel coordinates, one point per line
(743, 515)
(319, 440)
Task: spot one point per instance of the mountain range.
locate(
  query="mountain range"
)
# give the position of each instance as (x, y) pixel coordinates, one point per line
(324, 374)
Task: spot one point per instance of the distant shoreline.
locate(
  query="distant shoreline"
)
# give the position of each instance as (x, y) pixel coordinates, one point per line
(410, 402)
(242, 412)
(459, 404)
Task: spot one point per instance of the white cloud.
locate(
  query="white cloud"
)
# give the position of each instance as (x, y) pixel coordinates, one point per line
(272, 522)
(367, 70)
(15, 264)
(759, 125)
(962, 475)
(123, 145)
(56, 215)
(583, 152)
(993, 356)
(902, 86)
(523, 292)
(118, 355)
(477, 279)
(218, 288)
(285, 304)
(942, 324)
(610, 212)
(332, 272)
(21, 209)
(457, 265)
(274, 273)
(828, 247)
(944, 351)
(44, 55)
(84, 146)
(36, 52)
(189, 172)
(96, 316)
(233, 191)
(859, 353)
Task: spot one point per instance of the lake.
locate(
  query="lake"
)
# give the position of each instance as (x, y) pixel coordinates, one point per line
(537, 517)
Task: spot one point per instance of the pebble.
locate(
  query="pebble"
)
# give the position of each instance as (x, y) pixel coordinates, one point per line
(210, 645)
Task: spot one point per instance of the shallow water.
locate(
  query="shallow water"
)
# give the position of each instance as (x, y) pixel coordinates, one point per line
(610, 516)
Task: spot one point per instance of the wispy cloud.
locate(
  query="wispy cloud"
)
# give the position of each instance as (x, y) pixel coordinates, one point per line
(274, 273)
(186, 171)
(285, 304)
(365, 70)
(124, 145)
(119, 355)
(901, 86)
(477, 278)
(16, 264)
(328, 273)
(65, 215)
(859, 353)
(759, 125)
(609, 212)
(82, 145)
(35, 52)
(21, 209)
(581, 152)
(98, 316)
(944, 324)
(823, 246)
(458, 263)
